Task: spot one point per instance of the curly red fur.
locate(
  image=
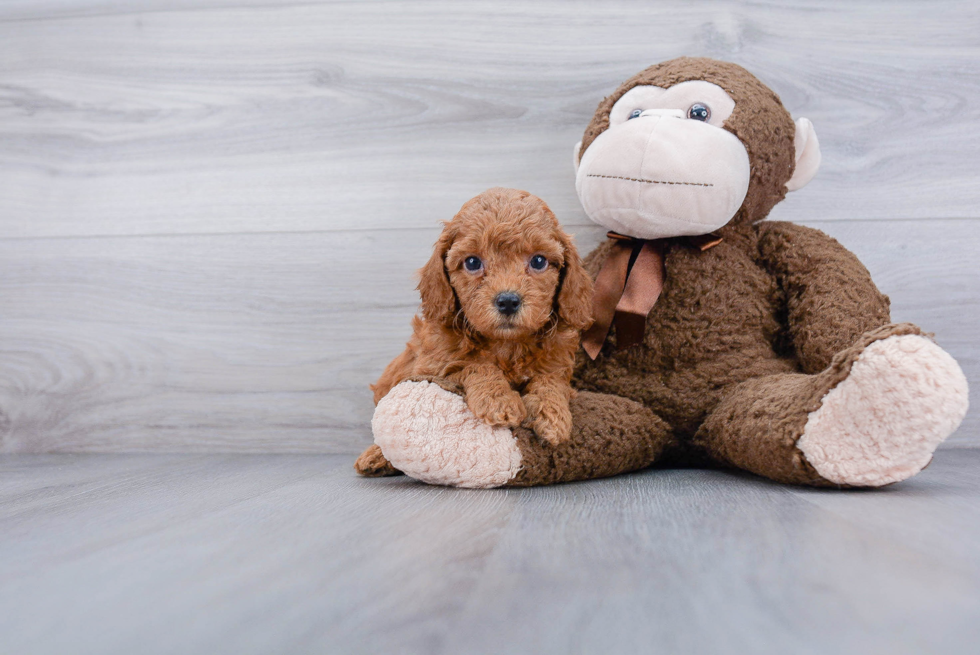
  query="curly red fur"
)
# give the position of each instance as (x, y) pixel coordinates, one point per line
(513, 369)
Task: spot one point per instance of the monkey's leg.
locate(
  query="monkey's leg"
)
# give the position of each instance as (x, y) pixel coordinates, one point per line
(873, 417)
(426, 430)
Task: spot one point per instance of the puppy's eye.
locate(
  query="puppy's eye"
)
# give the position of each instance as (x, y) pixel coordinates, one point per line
(472, 264)
(538, 263)
(699, 112)
(635, 113)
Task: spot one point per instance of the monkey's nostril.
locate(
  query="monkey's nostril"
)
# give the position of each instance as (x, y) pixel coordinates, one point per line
(507, 303)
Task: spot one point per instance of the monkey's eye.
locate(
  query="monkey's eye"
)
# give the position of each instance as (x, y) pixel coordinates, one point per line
(635, 113)
(538, 263)
(699, 112)
(473, 264)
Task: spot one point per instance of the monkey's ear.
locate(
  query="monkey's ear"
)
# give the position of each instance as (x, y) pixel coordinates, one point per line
(438, 299)
(575, 295)
(577, 156)
(807, 155)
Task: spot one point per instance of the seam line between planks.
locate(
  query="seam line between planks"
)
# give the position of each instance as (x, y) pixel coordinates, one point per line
(154, 235)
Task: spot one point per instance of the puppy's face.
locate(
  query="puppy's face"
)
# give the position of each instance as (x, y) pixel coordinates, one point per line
(509, 265)
(505, 272)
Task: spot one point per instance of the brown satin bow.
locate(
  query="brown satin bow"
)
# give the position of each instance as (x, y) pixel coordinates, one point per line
(628, 286)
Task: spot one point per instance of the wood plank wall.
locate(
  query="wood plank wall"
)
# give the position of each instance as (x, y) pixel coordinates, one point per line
(211, 212)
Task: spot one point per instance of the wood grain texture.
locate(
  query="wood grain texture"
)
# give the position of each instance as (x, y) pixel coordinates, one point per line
(273, 553)
(210, 211)
(267, 342)
(258, 116)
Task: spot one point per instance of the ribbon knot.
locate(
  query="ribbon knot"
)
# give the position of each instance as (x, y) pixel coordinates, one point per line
(628, 286)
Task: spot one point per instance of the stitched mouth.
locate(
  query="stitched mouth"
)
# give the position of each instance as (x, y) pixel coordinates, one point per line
(643, 181)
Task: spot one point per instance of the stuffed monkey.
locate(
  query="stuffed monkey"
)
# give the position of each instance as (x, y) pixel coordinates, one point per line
(719, 338)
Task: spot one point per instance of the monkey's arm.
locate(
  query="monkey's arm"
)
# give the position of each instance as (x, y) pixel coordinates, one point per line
(830, 298)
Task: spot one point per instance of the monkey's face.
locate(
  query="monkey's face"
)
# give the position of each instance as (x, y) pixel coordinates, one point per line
(665, 166)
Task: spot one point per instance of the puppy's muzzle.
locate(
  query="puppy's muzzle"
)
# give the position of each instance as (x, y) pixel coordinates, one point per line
(507, 303)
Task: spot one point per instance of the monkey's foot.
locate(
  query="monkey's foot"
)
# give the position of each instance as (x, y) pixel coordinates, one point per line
(430, 434)
(904, 395)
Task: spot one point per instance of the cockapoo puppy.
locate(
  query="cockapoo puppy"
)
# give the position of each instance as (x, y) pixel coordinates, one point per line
(504, 298)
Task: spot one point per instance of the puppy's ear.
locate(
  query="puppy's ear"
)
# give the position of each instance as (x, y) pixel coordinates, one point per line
(438, 299)
(575, 288)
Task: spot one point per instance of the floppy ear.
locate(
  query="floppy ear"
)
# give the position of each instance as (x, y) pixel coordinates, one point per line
(438, 299)
(575, 288)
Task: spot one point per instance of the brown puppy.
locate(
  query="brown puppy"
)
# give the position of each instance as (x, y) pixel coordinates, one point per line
(504, 297)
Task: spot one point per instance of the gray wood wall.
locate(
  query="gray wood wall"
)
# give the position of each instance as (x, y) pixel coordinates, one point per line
(211, 211)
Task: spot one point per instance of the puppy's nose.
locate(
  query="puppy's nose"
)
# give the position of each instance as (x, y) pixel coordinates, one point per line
(507, 303)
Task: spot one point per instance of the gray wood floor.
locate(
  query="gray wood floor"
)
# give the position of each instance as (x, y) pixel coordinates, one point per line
(211, 211)
(292, 554)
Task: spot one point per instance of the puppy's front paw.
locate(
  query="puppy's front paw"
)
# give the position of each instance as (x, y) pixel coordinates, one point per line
(506, 409)
(551, 419)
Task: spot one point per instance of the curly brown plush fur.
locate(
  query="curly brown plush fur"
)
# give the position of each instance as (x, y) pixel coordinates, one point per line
(512, 367)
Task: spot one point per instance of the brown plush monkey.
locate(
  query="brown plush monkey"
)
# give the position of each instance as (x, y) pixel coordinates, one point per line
(719, 338)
